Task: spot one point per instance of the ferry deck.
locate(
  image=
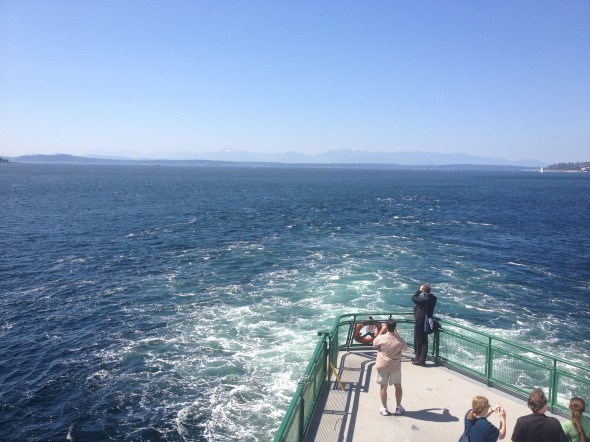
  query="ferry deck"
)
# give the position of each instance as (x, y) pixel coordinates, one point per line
(435, 398)
(337, 398)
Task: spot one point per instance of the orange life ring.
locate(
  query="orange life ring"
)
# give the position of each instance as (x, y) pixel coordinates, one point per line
(365, 332)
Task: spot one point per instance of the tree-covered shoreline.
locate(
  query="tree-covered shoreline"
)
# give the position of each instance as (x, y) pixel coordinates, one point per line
(570, 167)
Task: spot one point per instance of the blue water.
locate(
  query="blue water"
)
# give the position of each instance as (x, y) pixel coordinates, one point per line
(182, 303)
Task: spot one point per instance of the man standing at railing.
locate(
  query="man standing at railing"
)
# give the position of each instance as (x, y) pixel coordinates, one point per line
(389, 347)
(423, 310)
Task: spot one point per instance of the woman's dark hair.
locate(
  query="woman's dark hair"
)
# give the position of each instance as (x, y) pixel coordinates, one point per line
(537, 400)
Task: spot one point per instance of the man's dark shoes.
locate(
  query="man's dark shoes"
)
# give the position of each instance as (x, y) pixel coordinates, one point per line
(421, 364)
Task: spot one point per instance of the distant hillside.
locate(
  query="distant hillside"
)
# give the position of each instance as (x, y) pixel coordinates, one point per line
(569, 167)
(71, 159)
(56, 159)
(346, 156)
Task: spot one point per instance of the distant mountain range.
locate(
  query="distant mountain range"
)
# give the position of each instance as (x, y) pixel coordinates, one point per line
(365, 157)
(333, 157)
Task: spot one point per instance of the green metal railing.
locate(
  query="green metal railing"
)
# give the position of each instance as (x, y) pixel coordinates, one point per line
(510, 366)
(497, 362)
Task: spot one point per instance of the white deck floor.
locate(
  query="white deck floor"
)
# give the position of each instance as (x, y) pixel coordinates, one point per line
(435, 398)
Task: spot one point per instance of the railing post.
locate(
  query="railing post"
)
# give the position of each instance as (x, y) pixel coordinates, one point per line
(334, 347)
(553, 386)
(326, 351)
(489, 361)
(436, 345)
(327, 355)
(301, 419)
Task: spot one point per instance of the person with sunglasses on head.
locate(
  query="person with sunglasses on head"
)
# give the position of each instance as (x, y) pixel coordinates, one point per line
(477, 426)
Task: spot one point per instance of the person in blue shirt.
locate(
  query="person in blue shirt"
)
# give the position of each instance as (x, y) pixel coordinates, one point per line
(477, 425)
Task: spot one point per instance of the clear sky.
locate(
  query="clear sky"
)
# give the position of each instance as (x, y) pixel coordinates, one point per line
(160, 79)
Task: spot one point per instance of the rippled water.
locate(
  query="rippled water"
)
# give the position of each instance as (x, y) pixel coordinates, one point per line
(181, 303)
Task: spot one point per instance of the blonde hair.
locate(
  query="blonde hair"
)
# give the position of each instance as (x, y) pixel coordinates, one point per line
(577, 407)
(478, 405)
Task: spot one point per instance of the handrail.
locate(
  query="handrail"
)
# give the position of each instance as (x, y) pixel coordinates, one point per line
(517, 345)
(492, 361)
(296, 409)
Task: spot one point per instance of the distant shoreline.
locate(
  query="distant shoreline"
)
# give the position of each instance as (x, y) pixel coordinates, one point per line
(581, 167)
(569, 167)
(71, 159)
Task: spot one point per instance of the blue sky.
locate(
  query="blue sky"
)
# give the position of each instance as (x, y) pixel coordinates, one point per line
(170, 79)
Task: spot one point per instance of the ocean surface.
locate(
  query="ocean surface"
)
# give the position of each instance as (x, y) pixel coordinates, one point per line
(182, 303)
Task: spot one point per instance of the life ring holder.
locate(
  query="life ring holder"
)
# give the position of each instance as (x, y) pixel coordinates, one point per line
(366, 331)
